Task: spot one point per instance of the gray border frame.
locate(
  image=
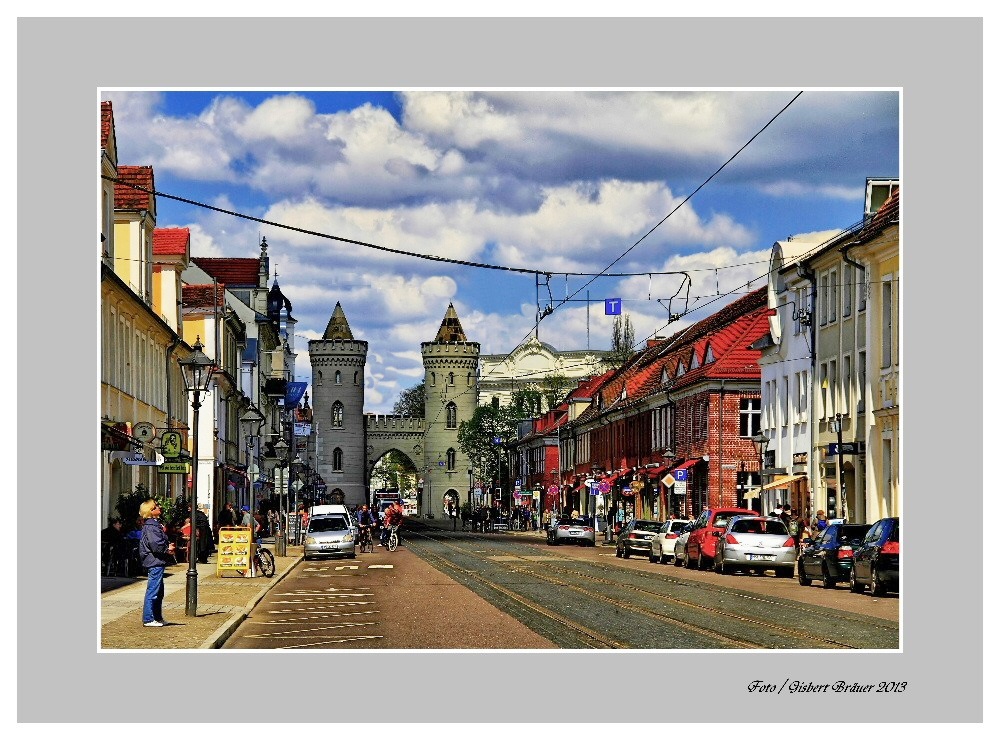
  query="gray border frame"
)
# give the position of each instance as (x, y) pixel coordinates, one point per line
(62, 63)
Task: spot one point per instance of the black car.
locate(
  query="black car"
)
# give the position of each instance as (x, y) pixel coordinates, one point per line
(829, 555)
(876, 560)
(637, 536)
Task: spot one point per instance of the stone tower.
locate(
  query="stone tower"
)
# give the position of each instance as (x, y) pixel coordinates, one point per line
(338, 386)
(451, 390)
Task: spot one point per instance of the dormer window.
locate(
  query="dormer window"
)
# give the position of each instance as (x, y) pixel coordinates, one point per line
(680, 369)
(624, 393)
(694, 360)
(664, 377)
(709, 354)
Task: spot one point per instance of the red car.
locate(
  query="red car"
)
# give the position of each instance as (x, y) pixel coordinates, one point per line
(700, 548)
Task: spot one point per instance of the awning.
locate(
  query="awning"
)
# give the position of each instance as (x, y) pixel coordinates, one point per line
(686, 464)
(753, 493)
(653, 472)
(782, 481)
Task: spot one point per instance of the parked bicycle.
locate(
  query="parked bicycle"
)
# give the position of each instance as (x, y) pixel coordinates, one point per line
(263, 562)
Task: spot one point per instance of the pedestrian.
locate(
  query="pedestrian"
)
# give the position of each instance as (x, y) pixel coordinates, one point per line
(227, 517)
(786, 514)
(202, 534)
(819, 523)
(796, 527)
(154, 547)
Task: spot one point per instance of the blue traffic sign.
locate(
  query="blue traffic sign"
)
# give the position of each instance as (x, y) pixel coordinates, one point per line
(612, 306)
(681, 475)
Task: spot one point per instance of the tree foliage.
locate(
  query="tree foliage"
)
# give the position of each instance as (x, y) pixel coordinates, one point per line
(554, 387)
(622, 341)
(476, 438)
(411, 402)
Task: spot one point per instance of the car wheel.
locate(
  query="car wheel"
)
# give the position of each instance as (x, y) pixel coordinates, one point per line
(803, 581)
(653, 558)
(856, 587)
(678, 562)
(719, 568)
(829, 581)
(878, 589)
(688, 562)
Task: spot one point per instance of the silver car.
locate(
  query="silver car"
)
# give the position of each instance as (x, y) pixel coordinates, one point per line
(567, 529)
(661, 548)
(680, 544)
(329, 534)
(756, 543)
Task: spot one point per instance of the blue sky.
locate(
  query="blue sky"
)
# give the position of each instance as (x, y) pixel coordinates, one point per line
(560, 181)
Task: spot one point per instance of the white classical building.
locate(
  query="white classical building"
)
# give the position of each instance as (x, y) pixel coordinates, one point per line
(500, 376)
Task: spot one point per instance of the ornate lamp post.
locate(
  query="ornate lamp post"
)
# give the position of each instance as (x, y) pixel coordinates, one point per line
(761, 442)
(251, 421)
(197, 371)
(281, 450)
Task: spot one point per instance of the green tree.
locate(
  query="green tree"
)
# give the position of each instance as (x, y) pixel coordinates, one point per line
(622, 341)
(554, 387)
(411, 402)
(476, 437)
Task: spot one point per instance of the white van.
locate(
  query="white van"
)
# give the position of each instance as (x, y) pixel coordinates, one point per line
(335, 509)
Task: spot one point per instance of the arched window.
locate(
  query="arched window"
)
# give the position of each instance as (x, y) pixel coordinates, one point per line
(336, 377)
(319, 377)
(452, 416)
(451, 458)
(451, 378)
(338, 459)
(468, 378)
(433, 378)
(337, 417)
(355, 377)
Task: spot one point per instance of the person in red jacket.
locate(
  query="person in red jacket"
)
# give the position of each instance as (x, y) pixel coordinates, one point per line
(393, 518)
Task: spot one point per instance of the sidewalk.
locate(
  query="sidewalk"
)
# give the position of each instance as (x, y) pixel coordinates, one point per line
(223, 603)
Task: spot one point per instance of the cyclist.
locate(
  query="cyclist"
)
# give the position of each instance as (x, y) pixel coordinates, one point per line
(365, 520)
(393, 518)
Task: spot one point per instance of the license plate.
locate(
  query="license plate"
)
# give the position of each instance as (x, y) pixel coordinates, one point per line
(575, 532)
(760, 557)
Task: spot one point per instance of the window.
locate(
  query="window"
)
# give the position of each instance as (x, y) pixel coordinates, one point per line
(338, 459)
(709, 355)
(701, 420)
(824, 297)
(847, 394)
(862, 380)
(824, 391)
(749, 417)
(337, 415)
(803, 394)
(848, 288)
(452, 416)
(433, 378)
(451, 378)
(451, 458)
(833, 388)
(863, 290)
(784, 401)
(337, 378)
(355, 377)
(886, 323)
(834, 294)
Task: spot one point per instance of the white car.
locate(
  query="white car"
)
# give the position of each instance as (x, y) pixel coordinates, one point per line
(661, 549)
(680, 544)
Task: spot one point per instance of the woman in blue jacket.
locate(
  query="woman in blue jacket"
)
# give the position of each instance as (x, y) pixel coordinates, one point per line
(154, 546)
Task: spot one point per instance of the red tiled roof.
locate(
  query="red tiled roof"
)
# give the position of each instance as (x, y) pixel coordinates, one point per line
(107, 123)
(236, 272)
(887, 214)
(171, 241)
(130, 199)
(200, 296)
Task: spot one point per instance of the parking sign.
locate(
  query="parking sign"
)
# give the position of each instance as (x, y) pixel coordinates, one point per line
(681, 475)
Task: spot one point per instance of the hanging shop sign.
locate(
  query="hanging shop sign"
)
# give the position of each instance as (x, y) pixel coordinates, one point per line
(117, 436)
(173, 468)
(137, 458)
(302, 429)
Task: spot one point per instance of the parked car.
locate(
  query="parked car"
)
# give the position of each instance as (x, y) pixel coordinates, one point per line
(829, 555)
(571, 529)
(755, 543)
(329, 534)
(661, 547)
(700, 546)
(680, 544)
(876, 559)
(636, 536)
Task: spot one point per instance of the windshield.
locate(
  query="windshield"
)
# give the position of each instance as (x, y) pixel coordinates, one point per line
(758, 526)
(328, 524)
(647, 526)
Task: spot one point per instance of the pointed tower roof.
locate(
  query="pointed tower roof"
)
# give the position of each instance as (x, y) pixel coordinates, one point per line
(451, 328)
(338, 328)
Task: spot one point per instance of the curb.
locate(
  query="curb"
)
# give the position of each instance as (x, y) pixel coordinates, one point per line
(219, 637)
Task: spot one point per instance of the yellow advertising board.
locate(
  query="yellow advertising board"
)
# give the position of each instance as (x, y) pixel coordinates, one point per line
(235, 550)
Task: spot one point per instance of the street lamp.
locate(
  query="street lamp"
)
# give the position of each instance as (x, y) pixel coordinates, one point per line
(295, 469)
(761, 441)
(838, 427)
(281, 449)
(197, 372)
(251, 421)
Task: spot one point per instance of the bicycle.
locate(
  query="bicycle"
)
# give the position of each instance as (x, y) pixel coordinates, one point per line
(366, 541)
(393, 539)
(263, 562)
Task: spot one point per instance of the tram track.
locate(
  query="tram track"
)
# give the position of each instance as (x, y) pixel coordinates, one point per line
(600, 591)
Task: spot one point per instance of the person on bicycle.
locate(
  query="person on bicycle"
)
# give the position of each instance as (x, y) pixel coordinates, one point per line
(393, 518)
(365, 520)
